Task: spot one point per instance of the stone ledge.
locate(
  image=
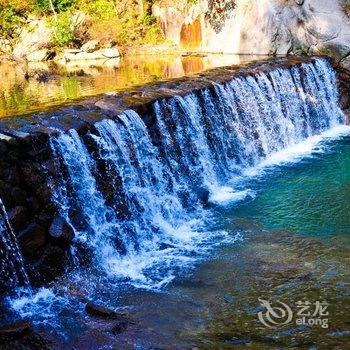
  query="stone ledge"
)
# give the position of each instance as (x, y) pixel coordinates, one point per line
(82, 114)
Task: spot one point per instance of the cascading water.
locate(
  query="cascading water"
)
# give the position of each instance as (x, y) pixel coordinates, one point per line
(12, 269)
(130, 192)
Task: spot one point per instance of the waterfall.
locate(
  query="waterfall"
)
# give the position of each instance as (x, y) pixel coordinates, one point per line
(12, 269)
(127, 188)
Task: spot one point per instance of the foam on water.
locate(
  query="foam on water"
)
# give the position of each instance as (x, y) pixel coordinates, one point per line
(224, 195)
(42, 304)
(306, 148)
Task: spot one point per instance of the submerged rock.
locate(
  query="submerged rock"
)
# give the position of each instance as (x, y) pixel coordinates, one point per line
(15, 330)
(61, 230)
(120, 326)
(104, 312)
(21, 335)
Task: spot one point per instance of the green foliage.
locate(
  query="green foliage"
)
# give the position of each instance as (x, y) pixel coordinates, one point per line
(148, 19)
(63, 30)
(59, 5)
(299, 50)
(12, 15)
(99, 9)
(9, 19)
(122, 22)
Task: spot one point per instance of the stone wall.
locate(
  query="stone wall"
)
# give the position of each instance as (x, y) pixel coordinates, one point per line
(26, 193)
(259, 26)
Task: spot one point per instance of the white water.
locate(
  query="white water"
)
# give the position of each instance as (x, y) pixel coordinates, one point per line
(12, 268)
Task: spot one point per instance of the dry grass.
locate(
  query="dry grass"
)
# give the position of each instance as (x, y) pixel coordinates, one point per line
(346, 7)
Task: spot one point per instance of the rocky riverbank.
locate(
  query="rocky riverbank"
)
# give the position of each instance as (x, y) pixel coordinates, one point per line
(267, 27)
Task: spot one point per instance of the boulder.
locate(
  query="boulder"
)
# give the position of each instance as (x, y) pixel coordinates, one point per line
(120, 325)
(38, 55)
(34, 37)
(18, 217)
(14, 331)
(61, 230)
(21, 335)
(251, 27)
(52, 264)
(18, 195)
(79, 55)
(3, 148)
(32, 239)
(112, 52)
(90, 46)
(5, 46)
(5, 194)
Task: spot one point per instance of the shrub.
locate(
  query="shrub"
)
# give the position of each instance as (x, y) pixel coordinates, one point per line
(59, 5)
(12, 15)
(63, 30)
(99, 9)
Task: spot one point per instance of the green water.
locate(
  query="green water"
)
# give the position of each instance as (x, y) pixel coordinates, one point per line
(310, 197)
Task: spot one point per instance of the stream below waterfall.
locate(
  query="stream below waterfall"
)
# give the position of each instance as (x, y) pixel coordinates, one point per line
(242, 199)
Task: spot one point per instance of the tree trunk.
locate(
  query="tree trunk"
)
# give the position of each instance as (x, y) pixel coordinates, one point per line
(53, 10)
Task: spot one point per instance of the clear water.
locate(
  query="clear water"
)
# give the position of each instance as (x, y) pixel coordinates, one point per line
(35, 87)
(311, 197)
(296, 245)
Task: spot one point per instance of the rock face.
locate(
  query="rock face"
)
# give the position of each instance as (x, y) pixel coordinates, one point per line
(258, 27)
(33, 41)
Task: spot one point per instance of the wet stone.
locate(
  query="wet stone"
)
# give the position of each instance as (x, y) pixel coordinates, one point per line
(18, 216)
(32, 239)
(61, 230)
(104, 312)
(120, 326)
(18, 195)
(3, 148)
(14, 330)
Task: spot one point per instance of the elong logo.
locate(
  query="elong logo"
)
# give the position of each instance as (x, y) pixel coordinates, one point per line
(281, 314)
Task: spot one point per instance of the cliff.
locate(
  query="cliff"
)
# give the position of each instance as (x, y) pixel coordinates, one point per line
(258, 27)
